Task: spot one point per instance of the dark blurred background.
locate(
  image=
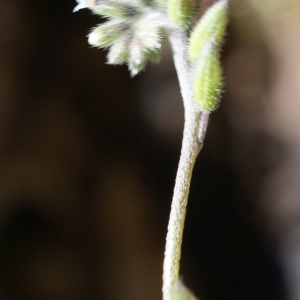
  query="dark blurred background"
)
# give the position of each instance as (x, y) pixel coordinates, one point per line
(88, 158)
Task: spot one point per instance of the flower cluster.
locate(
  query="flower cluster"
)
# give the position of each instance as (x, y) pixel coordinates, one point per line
(133, 32)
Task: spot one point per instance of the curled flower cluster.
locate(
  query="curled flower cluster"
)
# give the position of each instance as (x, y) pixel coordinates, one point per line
(133, 32)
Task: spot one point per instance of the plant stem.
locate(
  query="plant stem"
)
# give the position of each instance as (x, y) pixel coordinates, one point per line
(193, 135)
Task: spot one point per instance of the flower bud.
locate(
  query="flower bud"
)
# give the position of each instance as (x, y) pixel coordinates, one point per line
(208, 81)
(148, 32)
(137, 59)
(181, 11)
(145, 44)
(112, 9)
(210, 27)
(105, 34)
(119, 51)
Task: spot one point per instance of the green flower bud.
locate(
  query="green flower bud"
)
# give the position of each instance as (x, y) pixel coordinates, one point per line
(181, 11)
(119, 51)
(116, 10)
(181, 292)
(208, 81)
(104, 35)
(210, 27)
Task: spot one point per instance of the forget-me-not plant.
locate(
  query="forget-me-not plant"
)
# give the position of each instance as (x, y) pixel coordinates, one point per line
(133, 34)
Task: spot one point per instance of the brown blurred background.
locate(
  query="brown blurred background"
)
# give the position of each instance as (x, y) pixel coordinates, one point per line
(88, 158)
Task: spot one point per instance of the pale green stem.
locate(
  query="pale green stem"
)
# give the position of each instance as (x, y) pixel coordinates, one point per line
(193, 135)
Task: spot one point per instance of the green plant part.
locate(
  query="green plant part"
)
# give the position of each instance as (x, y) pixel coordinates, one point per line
(208, 83)
(144, 45)
(211, 27)
(153, 55)
(113, 9)
(149, 32)
(119, 52)
(156, 4)
(134, 34)
(147, 3)
(181, 292)
(107, 33)
(181, 11)
(137, 58)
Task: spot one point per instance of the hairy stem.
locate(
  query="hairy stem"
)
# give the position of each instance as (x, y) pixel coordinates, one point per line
(193, 135)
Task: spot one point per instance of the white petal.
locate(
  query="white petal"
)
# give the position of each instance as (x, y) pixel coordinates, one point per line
(82, 4)
(79, 6)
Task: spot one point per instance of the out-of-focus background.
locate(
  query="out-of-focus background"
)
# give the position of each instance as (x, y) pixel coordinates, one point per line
(88, 158)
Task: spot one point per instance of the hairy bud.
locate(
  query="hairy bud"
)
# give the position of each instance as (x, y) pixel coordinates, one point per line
(181, 11)
(211, 27)
(114, 9)
(208, 81)
(119, 51)
(137, 58)
(105, 34)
